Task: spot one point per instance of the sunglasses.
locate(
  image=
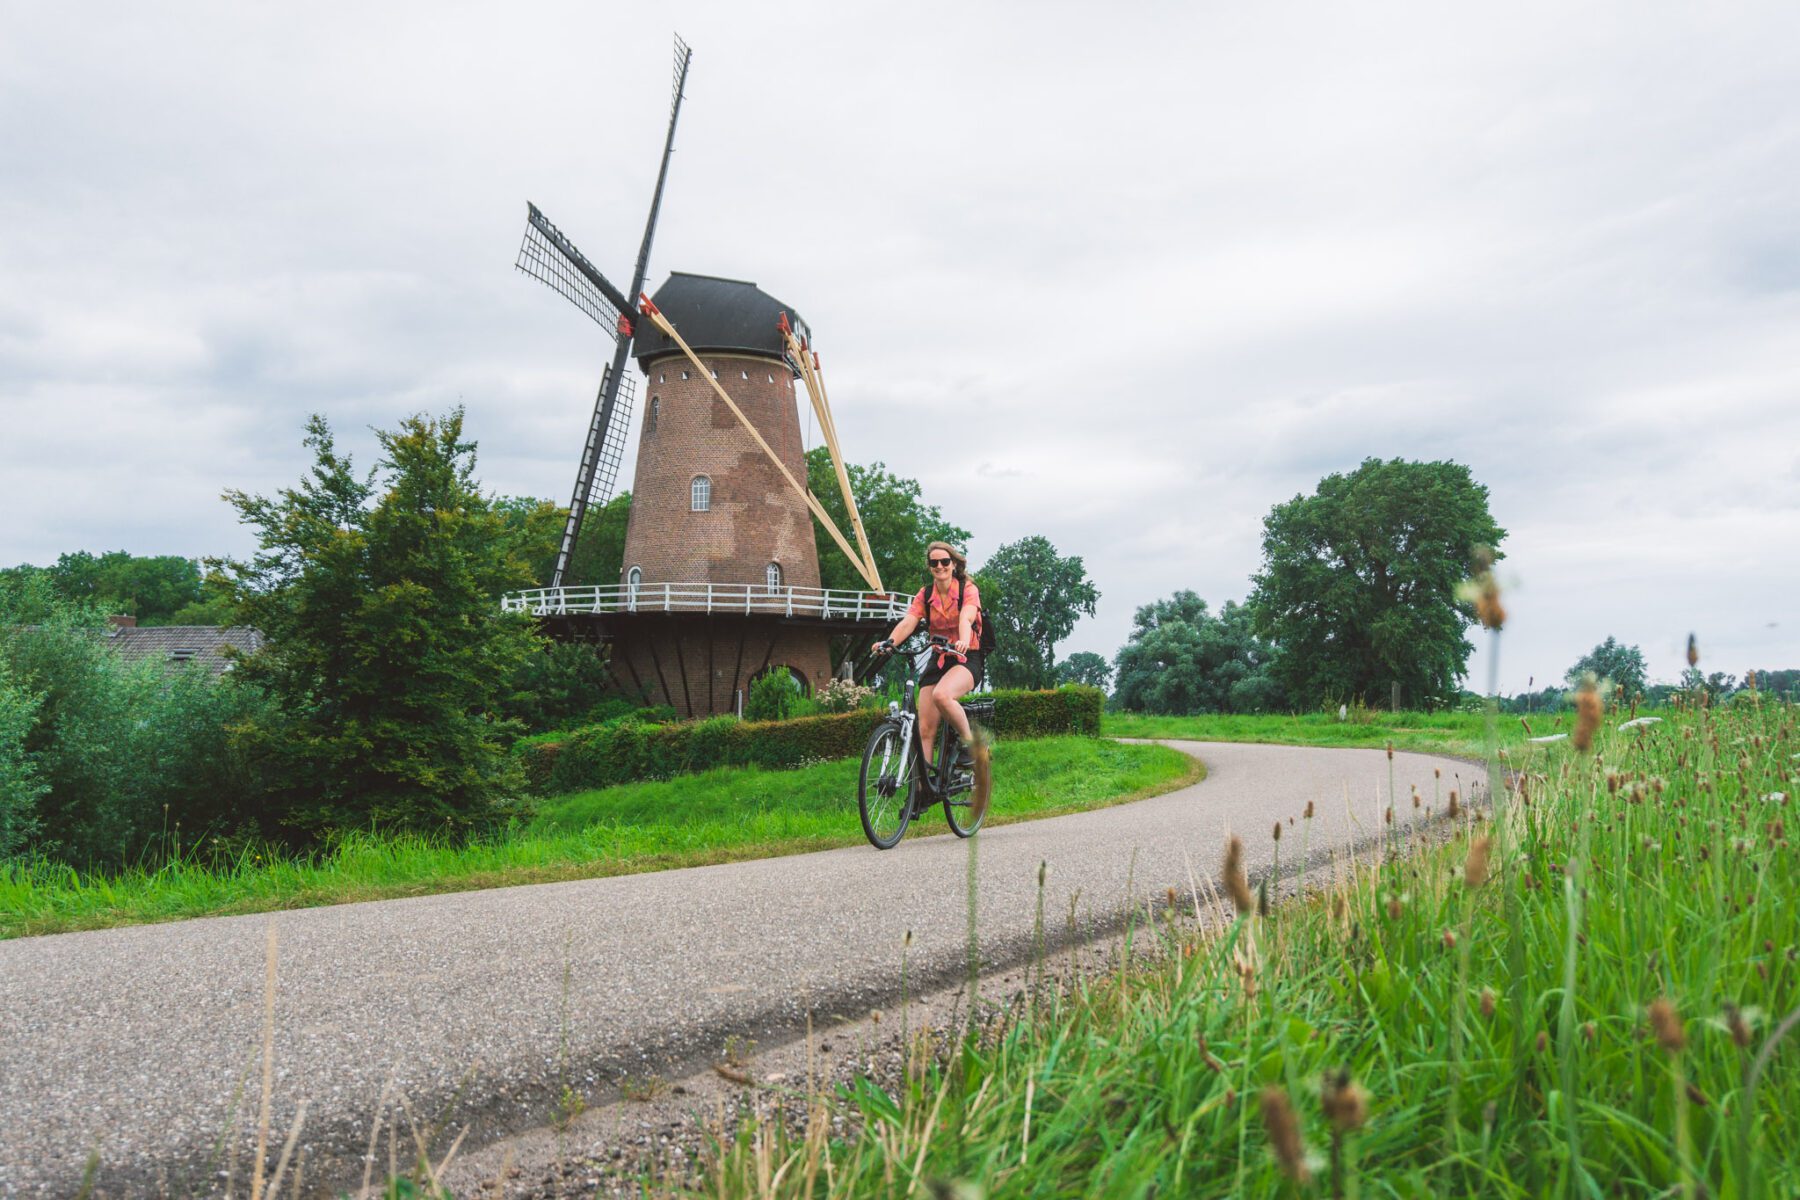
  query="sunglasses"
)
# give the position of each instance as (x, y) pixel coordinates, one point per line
(939, 562)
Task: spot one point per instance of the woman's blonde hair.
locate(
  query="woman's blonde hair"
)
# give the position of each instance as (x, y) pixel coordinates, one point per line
(960, 567)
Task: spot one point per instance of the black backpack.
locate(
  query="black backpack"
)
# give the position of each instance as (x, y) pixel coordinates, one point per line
(984, 629)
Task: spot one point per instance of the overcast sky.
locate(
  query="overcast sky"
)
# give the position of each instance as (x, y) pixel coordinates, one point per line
(1124, 277)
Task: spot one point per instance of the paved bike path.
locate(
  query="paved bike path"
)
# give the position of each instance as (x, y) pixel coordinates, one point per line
(132, 1042)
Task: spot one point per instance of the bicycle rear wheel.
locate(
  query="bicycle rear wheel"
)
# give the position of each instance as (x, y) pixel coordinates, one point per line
(885, 787)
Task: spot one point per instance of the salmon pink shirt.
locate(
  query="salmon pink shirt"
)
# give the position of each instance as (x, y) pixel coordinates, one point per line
(945, 616)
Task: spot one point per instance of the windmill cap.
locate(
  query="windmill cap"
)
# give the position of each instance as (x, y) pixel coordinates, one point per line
(719, 316)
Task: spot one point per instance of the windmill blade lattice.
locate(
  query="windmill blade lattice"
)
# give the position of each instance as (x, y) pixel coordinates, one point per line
(551, 259)
(607, 456)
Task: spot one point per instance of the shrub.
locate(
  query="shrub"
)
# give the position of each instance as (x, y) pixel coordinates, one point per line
(627, 750)
(772, 696)
(19, 785)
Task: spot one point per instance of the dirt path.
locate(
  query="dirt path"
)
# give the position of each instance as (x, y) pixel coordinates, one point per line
(140, 1044)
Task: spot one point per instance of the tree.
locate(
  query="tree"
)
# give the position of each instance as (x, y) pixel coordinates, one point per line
(387, 652)
(1358, 583)
(1613, 660)
(1180, 660)
(537, 528)
(1033, 596)
(1086, 668)
(897, 520)
(157, 590)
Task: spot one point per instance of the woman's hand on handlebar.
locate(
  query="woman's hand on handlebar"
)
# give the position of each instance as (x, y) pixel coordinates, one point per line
(884, 647)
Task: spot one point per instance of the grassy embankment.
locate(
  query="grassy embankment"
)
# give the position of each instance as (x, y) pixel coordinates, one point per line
(1588, 995)
(719, 816)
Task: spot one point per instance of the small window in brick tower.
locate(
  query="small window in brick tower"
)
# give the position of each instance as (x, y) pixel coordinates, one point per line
(773, 575)
(634, 579)
(701, 494)
(655, 407)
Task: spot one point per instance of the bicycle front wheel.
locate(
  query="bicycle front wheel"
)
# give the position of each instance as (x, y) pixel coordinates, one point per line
(966, 809)
(884, 789)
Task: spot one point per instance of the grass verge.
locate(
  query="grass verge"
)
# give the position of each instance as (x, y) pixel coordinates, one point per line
(1590, 994)
(1456, 733)
(720, 816)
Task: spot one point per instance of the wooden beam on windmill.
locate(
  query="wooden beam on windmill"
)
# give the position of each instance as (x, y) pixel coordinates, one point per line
(549, 257)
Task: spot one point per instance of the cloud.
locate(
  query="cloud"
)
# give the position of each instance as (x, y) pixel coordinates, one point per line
(1126, 284)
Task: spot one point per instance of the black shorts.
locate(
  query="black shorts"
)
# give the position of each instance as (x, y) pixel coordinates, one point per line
(941, 662)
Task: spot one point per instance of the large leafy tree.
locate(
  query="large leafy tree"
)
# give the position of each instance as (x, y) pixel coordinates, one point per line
(895, 516)
(162, 589)
(1086, 668)
(1033, 596)
(1612, 659)
(387, 651)
(1358, 582)
(1181, 659)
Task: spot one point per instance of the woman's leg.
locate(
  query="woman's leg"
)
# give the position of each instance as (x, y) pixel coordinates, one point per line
(956, 683)
(928, 717)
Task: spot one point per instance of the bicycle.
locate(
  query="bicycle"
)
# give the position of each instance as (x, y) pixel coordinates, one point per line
(897, 784)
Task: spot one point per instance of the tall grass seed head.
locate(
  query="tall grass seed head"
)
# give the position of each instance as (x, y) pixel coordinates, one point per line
(1665, 1023)
(1693, 651)
(1587, 714)
(1236, 885)
(1283, 1128)
(1475, 869)
(1345, 1102)
(1486, 1003)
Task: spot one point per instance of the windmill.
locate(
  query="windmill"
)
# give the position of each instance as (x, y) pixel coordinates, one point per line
(546, 255)
(721, 577)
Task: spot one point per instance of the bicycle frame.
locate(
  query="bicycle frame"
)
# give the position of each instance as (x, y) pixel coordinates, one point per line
(931, 782)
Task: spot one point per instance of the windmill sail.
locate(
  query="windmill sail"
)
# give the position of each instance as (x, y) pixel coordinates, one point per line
(546, 255)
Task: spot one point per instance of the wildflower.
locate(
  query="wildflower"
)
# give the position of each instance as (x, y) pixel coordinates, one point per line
(1309, 810)
(1587, 714)
(1475, 870)
(1449, 939)
(1665, 1022)
(1284, 1133)
(1277, 831)
(1236, 886)
(1486, 1004)
(1693, 651)
(1455, 807)
(1345, 1102)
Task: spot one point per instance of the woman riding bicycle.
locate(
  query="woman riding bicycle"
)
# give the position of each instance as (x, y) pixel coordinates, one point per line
(950, 607)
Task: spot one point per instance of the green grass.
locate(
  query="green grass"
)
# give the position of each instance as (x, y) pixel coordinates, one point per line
(1498, 1036)
(1454, 733)
(719, 816)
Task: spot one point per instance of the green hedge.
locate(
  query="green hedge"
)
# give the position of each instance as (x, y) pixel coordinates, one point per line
(626, 750)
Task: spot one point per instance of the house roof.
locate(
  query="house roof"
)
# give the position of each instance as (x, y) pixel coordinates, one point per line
(716, 315)
(173, 645)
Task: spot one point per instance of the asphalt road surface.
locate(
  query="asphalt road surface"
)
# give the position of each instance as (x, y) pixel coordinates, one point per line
(138, 1045)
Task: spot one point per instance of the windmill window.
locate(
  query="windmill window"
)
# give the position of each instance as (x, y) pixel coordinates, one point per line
(771, 379)
(684, 373)
(700, 494)
(715, 372)
(745, 374)
(655, 407)
(634, 579)
(772, 574)
(662, 377)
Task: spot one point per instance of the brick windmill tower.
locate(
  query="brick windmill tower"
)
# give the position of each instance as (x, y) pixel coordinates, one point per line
(720, 581)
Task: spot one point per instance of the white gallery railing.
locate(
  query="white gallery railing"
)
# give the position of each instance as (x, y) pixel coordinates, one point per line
(739, 598)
